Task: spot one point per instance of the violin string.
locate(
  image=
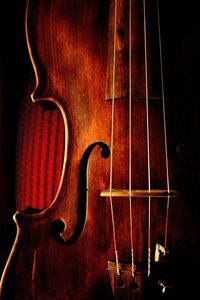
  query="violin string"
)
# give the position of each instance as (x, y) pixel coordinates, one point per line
(130, 140)
(166, 222)
(164, 126)
(148, 144)
(112, 137)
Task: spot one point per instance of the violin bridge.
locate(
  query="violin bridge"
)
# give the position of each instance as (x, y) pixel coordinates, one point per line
(139, 193)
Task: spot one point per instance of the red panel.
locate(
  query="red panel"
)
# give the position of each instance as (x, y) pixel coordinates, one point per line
(40, 147)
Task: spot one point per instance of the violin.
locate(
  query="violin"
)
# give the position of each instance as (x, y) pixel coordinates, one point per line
(111, 221)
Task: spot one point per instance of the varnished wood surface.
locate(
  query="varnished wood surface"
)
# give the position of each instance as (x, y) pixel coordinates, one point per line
(41, 267)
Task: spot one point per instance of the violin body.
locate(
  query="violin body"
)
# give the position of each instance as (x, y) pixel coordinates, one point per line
(66, 251)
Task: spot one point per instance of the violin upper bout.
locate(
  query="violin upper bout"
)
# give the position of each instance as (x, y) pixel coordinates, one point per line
(44, 94)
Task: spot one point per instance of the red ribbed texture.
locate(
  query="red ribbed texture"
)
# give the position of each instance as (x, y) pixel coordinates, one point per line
(39, 159)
